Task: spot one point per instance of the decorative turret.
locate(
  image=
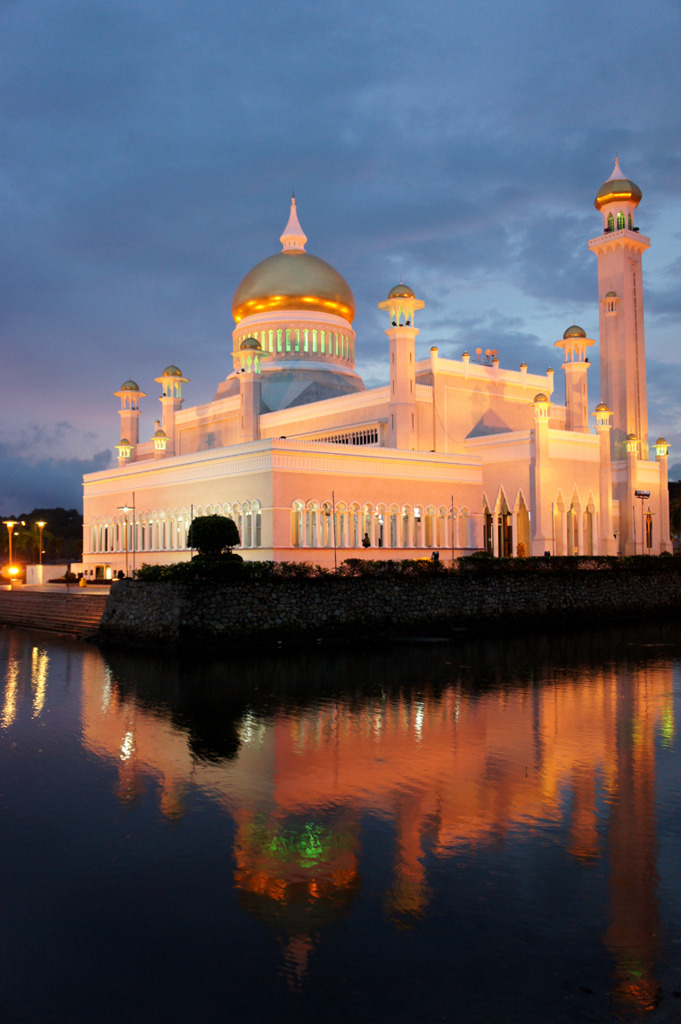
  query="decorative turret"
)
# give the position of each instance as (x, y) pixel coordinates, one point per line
(171, 381)
(124, 451)
(160, 440)
(574, 344)
(247, 363)
(401, 305)
(617, 199)
(129, 412)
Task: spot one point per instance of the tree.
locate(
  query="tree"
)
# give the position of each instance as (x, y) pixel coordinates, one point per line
(211, 535)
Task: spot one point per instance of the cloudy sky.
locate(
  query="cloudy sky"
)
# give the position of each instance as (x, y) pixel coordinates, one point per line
(149, 150)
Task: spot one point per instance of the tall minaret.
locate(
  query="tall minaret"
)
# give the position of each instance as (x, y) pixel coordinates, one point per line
(620, 287)
(401, 305)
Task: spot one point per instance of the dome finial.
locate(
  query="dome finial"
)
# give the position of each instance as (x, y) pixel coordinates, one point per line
(293, 238)
(616, 171)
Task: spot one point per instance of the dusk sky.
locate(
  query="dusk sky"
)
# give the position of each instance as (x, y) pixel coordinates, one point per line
(149, 151)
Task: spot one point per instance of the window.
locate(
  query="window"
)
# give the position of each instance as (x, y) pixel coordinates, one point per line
(611, 222)
(620, 220)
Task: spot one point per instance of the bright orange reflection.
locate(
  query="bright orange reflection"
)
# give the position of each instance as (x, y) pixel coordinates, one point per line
(454, 768)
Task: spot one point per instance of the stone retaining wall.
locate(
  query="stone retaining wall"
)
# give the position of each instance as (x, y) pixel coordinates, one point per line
(170, 613)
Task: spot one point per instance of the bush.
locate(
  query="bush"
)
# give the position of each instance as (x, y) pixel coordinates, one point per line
(211, 535)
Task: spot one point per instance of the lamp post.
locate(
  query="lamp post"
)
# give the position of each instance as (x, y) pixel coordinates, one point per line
(41, 526)
(10, 524)
(125, 509)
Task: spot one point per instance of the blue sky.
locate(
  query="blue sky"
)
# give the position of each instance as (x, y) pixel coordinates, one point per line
(149, 151)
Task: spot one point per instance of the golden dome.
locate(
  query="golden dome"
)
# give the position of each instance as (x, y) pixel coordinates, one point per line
(401, 291)
(251, 343)
(541, 397)
(618, 188)
(574, 332)
(602, 407)
(172, 371)
(130, 385)
(293, 280)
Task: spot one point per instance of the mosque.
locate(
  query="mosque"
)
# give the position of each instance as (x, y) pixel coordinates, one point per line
(453, 455)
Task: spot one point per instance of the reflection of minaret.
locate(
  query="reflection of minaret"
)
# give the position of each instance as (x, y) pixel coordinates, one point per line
(409, 894)
(634, 925)
(584, 826)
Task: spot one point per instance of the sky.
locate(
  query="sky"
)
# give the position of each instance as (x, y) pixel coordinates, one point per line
(149, 151)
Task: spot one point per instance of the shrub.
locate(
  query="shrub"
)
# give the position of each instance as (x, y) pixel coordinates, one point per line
(211, 535)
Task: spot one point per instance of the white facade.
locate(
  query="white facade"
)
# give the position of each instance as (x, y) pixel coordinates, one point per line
(451, 454)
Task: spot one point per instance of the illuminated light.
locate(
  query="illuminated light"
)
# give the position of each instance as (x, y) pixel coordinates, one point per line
(39, 663)
(127, 747)
(9, 709)
(13, 570)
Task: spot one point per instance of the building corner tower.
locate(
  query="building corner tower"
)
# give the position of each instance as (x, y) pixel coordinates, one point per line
(620, 291)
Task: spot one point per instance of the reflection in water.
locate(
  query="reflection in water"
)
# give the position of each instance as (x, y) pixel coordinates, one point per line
(454, 748)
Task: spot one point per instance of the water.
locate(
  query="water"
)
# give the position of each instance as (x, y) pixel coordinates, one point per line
(480, 830)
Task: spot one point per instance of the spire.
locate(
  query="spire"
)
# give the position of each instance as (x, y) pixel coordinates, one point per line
(616, 171)
(294, 238)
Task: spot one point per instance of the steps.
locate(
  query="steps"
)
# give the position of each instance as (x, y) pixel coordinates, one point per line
(76, 613)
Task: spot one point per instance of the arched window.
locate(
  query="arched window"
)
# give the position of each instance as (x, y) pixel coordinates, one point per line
(297, 524)
(620, 220)
(630, 222)
(611, 222)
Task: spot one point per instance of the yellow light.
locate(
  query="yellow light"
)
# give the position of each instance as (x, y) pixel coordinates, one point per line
(13, 570)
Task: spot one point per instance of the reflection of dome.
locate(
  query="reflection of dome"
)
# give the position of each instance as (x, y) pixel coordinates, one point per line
(295, 877)
(401, 291)
(617, 187)
(574, 332)
(130, 385)
(293, 280)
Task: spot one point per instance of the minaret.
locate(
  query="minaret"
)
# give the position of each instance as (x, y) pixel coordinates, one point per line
(607, 540)
(662, 458)
(129, 412)
(401, 305)
(171, 381)
(247, 363)
(575, 365)
(620, 287)
(542, 535)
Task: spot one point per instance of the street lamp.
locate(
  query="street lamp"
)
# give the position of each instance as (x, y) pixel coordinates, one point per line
(41, 526)
(10, 524)
(125, 509)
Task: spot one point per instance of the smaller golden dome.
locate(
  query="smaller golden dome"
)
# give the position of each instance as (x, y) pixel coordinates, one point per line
(172, 371)
(541, 397)
(618, 189)
(160, 433)
(602, 407)
(401, 291)
(661, 440)
(130, 385)
(124, 443)
(574, 332)
(611, 295)
(251, 343)
(632, 437)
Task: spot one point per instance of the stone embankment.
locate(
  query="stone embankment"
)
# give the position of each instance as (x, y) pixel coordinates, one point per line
(74, 613)
(172, 613)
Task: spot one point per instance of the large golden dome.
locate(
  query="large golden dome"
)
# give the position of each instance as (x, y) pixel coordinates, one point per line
(293, 280)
